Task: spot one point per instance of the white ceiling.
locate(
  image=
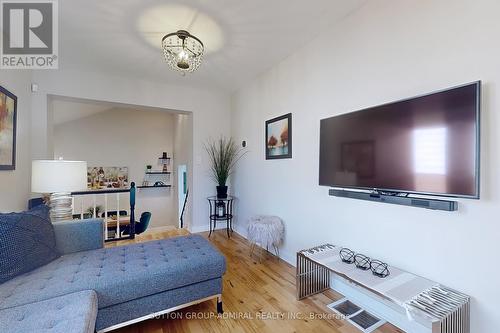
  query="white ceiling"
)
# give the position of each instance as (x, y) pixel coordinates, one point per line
(65, 110)
(243, 38)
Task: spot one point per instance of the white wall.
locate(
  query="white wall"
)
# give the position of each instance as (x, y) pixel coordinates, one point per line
(130, 138)
(388, 50)
(15, 184)
(210, 108)
(183, 152)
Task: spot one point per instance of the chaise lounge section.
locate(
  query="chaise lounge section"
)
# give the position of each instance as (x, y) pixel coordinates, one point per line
(131, 283)
(75, 313)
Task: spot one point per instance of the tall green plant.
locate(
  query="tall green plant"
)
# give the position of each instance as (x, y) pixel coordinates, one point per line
(223, 154)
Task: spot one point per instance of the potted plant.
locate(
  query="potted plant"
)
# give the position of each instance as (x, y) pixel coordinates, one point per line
(223, 154)
(89, 213)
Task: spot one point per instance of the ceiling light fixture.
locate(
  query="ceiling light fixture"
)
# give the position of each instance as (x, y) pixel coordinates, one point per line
(182, 51)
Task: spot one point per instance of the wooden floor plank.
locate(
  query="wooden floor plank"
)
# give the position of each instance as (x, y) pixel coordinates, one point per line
(258, 296)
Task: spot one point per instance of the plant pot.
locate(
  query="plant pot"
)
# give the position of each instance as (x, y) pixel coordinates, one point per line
(222, 192)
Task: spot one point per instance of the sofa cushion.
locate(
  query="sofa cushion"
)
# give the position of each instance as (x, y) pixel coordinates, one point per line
(75, 313)
(27, 242)
(121, 273)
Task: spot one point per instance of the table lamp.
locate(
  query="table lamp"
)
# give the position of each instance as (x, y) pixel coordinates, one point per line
(59, 178)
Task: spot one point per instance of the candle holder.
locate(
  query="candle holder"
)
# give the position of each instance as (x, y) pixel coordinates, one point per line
(379, 268)
(347, 255)
(362, 262)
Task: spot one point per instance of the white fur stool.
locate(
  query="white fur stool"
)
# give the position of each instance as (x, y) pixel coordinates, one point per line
(266, 231)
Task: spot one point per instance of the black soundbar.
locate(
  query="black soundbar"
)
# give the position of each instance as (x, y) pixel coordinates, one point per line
(435, 204)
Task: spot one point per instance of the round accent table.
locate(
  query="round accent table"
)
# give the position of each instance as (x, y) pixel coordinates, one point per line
(221, 209)
(266, 231)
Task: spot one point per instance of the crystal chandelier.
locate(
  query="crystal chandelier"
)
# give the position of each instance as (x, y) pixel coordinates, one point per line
(182, 51)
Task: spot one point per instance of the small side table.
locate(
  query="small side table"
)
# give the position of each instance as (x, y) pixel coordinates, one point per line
(221, 209)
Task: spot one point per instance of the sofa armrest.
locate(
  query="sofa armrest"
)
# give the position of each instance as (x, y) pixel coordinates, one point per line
(79, 235)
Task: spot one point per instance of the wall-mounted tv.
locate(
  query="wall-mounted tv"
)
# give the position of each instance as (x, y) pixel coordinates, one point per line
(424, 145)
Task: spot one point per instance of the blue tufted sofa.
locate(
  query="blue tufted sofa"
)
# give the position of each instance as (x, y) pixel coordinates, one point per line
(111, 287)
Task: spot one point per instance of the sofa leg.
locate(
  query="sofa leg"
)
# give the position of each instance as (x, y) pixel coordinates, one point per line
(219, 305)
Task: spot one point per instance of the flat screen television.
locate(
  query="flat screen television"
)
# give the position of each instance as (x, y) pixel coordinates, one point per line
(424, 145)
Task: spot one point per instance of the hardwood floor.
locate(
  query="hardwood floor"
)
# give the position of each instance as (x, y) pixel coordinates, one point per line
(259, 290)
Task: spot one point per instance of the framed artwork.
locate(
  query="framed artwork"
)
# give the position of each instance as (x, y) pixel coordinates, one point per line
(8, 119)
(279, 137)
(100, 178)
(359, 158)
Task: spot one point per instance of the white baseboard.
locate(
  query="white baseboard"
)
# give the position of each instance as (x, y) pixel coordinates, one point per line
(153, 230)
(202, 228)
(288, 257)
(160, 229)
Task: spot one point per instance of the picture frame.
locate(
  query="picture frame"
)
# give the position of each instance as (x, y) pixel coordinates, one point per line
(278, 139)
(8, 128)
(102, 178)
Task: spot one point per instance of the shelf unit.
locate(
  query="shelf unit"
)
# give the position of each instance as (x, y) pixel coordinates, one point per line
(152, 186)
(151, 177)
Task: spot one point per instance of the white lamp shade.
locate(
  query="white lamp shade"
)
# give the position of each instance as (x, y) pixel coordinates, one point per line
(52, 176)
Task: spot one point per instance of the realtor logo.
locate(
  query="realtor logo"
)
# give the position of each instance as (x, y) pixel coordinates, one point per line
(29, 34)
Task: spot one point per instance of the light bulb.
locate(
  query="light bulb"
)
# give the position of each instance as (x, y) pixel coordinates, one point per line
(182, 55)
(182, 61)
